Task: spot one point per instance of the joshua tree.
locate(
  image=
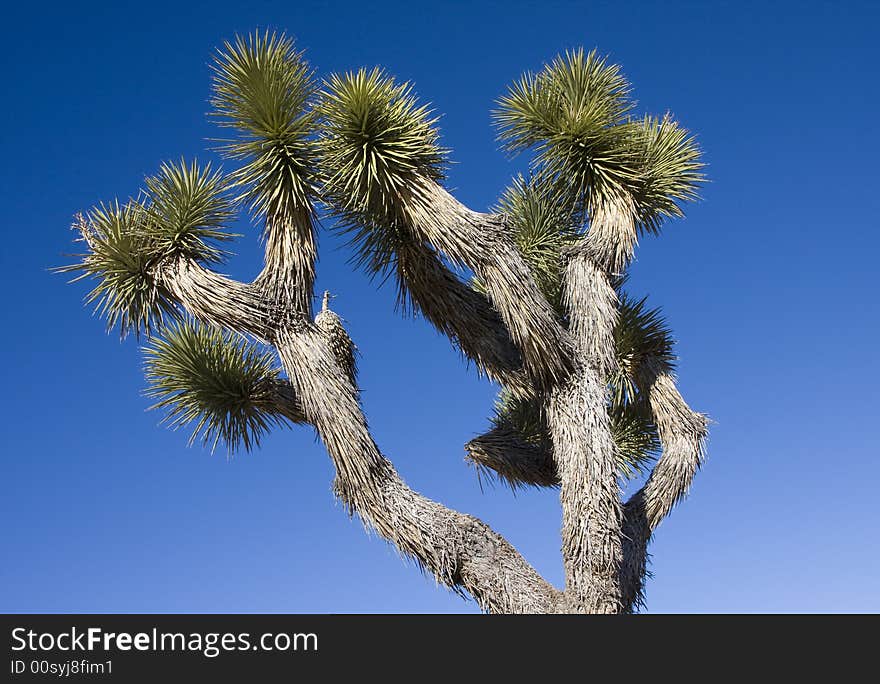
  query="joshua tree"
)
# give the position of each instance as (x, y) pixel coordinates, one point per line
(532, 292)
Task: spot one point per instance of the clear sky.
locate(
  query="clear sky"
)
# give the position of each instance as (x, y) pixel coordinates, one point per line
(769, 284)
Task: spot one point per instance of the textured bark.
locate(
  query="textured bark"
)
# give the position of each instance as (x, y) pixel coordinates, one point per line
(461, 313)
(584, 454)
(288, 276)
(583, 447)
(480, 242)
(459, 550)
(503, 453)
(682, 434)
(338, 340)
(218, 300)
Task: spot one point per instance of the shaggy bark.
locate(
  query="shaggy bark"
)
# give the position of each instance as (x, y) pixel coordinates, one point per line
(461, 551)
(682, 435)
(291, 251)
(583, 447)
(461, 313)
(479, 242)
(502, 453)
(514, 337)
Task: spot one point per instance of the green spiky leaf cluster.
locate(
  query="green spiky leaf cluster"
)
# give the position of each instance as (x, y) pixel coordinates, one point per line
(120, 257)
(576, 114)
(214, 381)
(541, 228)
(669, 170)
(179, 215)
(641, 334)
(572, 114)
(263, 90)
(187, 209)
(377, 147)
(635, 436)
(376, 140)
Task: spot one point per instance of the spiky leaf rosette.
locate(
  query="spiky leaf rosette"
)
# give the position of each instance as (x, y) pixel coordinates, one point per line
(262, 89)
(180, 215)
(225, 387)
(541, 228)
(669, 170)
(635, 437)
(377, 148)
(187, 209)
(121, 254)
(573, 114)
(641, 334)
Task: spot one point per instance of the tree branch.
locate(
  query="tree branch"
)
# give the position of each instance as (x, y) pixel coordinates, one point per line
(503, 453)
(479, 242)
(461, 313)
(583, 446)
(459, 550)
(291, 250)
(682, 435)
(216, 299)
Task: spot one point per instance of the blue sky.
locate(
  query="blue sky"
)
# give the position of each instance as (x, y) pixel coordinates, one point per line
(769, 284)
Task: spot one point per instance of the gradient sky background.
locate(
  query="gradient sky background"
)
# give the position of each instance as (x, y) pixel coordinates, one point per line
(769, 284)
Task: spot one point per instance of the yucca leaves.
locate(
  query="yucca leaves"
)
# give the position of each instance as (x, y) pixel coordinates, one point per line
(670, 170)
(540, 228)
(187, 209)
(577, 115)
(263, 90)
(641, 333)
(635, 437)
(180, 215)
(366, 146)
(120, 257)
(572, 114)
(377, 143)
(212, 380)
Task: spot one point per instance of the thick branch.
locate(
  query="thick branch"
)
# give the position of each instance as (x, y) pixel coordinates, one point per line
(503, 453)
(682, 434)
(480, 242)
(583, 446)
(461, 313)
(288, 276)
(459, 550)
(216, 299)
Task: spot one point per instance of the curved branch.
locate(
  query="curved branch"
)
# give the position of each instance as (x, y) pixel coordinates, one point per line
(683, 433)
(503, 453)
(459, 550)
(479, 242)
(216, 299)
(461, 313)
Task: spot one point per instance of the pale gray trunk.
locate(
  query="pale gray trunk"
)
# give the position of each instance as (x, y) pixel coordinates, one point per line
(514, 336)
(583, 446)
